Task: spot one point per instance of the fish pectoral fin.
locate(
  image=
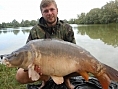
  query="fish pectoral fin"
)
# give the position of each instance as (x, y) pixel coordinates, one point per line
(32, 73)
(84, 75)
(57, 80)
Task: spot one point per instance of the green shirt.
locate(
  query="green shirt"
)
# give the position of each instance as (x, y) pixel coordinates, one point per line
(61, 30)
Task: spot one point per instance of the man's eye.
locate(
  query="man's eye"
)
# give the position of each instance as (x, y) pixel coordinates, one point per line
(45, 11)
(15, 54)
(52, 9)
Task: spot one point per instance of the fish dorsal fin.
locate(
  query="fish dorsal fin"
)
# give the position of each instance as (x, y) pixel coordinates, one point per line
(57, 80)
(32, 73)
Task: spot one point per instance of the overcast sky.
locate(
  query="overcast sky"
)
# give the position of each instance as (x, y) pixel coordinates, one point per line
(29, 9)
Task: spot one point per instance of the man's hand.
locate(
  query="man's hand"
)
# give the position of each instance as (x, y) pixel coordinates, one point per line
(37, 69)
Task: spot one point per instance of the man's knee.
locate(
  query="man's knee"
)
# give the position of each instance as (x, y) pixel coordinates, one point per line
(22, 77)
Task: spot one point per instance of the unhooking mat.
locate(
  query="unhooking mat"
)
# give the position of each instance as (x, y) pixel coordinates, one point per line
(78, 82)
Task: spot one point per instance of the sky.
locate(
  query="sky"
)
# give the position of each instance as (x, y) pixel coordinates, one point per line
(30, 9)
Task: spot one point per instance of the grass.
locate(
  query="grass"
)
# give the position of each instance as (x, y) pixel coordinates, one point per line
(7, 78)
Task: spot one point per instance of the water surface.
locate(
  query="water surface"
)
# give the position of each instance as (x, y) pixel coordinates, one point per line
(100, 40)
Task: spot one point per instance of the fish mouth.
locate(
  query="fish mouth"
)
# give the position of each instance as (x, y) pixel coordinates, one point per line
(6, 62)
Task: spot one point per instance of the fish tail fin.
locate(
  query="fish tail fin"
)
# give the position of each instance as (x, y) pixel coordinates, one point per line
(111, 72)
(104, 81)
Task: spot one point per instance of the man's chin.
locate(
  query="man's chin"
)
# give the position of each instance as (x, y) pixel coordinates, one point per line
(51, 22)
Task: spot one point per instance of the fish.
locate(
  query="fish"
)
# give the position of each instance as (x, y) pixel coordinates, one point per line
(58, 58)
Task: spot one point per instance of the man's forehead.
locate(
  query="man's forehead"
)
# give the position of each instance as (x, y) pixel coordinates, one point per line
(48, 6)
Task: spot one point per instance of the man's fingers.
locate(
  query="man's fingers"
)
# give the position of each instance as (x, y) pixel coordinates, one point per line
(37, 69)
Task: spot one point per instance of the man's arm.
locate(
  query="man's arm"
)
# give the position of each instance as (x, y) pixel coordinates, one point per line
(69, 34)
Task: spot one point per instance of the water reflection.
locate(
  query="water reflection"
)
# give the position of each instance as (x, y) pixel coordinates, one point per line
(25, 31)
(15, 31)
(106, 33)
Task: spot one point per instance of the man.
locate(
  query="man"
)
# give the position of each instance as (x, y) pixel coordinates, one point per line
(49, 26)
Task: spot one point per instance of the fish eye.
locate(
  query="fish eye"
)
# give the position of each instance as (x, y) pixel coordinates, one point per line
(15, 54)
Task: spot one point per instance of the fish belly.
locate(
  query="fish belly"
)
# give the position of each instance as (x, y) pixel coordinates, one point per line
(58, 67)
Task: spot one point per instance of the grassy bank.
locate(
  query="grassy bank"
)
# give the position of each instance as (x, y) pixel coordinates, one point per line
(7, 78)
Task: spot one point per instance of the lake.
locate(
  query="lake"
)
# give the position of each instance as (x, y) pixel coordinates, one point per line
(100, 40)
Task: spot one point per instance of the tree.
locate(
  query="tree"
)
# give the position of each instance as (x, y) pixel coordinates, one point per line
(0, 26)
(93, 16)
(33, 22)
(81, 18)
(104, 15)
(27, 23)
(15, 23)
(4, 25)
(22, 23)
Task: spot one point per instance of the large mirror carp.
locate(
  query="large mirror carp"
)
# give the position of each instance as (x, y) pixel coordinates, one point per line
(57, 58)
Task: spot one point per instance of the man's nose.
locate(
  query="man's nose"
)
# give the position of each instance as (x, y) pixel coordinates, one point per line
(49, 12)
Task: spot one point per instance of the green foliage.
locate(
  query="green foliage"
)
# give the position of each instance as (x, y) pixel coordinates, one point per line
(7, 78)
(104, 15)
(15, 24)
(72, 21)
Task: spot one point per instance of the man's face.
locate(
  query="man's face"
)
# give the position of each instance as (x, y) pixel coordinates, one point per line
(50, 13)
